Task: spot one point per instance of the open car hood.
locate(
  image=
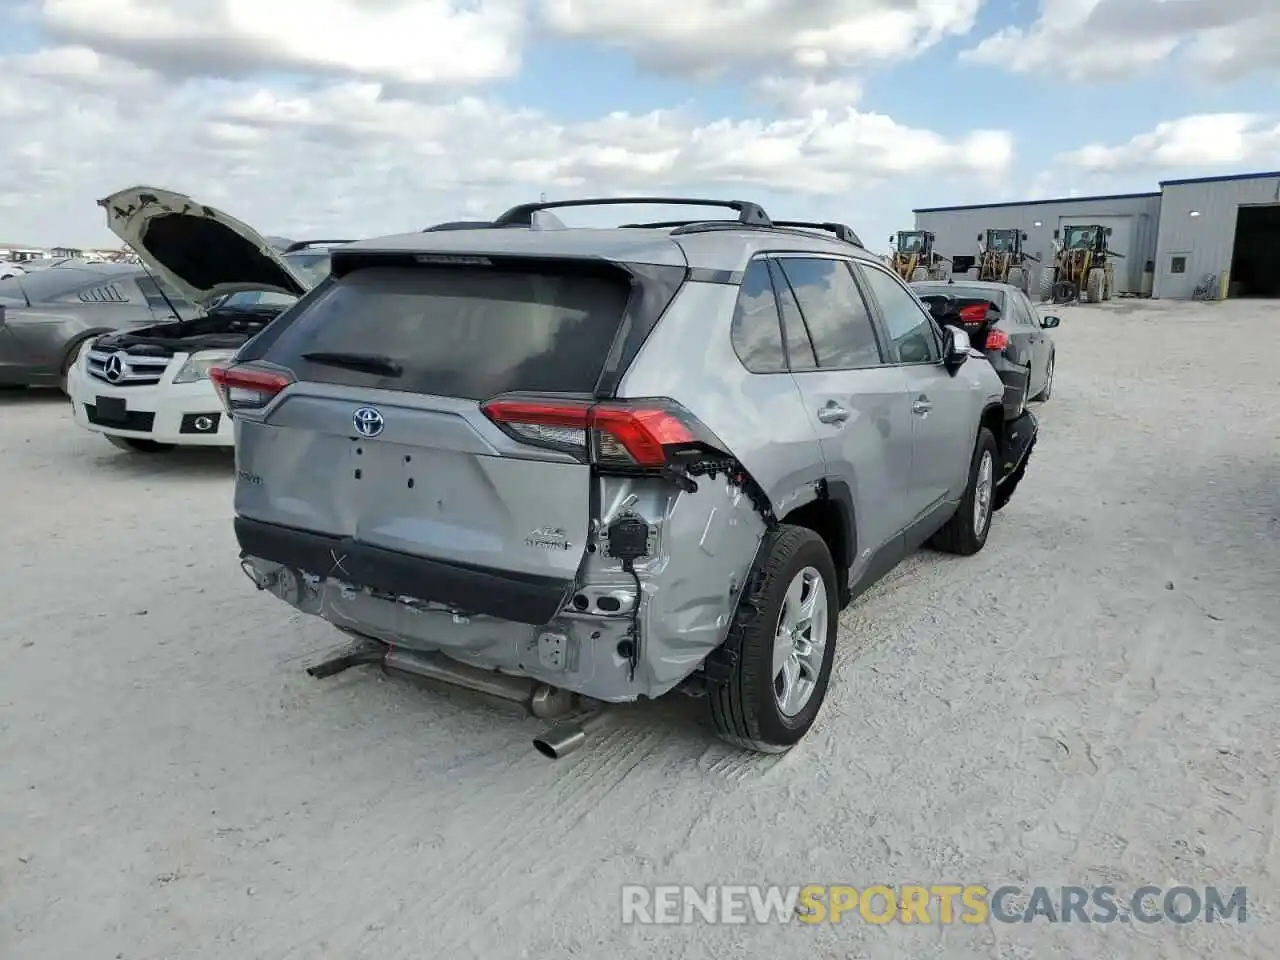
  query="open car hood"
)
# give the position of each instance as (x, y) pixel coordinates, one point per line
(200, 250)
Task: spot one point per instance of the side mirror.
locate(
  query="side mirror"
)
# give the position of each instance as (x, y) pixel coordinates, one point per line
(1055, 234)
(1048, 323)
(1024, 235)
(957, 342)
(979, 238)
(1108, 231)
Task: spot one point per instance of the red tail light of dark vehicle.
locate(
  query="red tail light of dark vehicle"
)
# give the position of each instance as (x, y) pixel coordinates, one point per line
(974, 315)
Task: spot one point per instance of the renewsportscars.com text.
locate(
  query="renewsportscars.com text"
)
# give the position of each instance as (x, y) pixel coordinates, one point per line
(968, 904)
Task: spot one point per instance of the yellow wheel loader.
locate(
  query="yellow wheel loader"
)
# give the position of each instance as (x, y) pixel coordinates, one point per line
(913, 257)
(1083, 268)
(1001, 259)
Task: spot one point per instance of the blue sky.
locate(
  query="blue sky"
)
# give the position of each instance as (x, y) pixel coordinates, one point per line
(363, 118)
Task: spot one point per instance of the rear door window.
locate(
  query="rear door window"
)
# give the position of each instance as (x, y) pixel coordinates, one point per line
(800, 351)
(461, 332)
(756, 332)
(834, 312)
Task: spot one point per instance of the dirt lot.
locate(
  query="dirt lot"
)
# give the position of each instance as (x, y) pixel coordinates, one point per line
(1092, 700)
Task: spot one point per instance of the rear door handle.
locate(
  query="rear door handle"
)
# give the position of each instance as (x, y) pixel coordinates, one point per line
(921, 406)
(833, 413)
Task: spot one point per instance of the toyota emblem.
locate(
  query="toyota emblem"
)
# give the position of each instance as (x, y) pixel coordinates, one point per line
(115, 368)
(368, 422)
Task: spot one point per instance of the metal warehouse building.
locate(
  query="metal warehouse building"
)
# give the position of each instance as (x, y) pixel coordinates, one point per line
(1226, 228)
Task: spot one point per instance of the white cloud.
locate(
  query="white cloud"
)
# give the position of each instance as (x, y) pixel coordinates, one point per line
(348, 157)
(1205, 140)
(1110, 39)
(705, 37)
(805, 93)
(407, 41)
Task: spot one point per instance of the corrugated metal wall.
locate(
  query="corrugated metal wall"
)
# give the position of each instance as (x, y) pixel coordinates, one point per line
(1204, 242)
(957, 228)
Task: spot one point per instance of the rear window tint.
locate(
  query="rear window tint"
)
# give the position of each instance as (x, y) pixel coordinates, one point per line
(460, 332)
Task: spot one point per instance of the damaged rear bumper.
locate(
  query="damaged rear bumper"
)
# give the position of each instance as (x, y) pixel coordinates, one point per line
(495, 593)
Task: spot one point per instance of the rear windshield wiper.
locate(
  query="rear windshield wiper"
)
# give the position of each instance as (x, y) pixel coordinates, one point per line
(364, 362)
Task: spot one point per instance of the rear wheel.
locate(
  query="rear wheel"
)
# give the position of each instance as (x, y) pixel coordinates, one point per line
(1017, 278)
(919, 273)
(1108, 286)
(139, 445)
(966, 532)
(1095, 284)
(785, 638)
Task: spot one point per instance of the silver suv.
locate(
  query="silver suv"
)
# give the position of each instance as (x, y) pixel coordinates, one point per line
(611, 462)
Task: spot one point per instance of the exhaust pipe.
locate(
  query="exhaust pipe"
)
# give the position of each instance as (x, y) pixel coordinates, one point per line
(540, 699)
(564, 738)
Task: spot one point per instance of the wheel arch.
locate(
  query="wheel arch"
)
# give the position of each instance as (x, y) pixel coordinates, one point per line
(831, 515)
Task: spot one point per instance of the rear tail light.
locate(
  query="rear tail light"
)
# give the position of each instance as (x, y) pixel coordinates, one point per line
(996, 340)
(243, 388)
(974, 315)
(642, 434)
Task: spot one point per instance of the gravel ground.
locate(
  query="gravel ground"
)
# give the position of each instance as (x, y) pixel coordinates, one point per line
(1091, 700)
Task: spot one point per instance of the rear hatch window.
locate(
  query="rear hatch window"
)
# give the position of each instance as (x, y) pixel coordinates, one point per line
(459, 331)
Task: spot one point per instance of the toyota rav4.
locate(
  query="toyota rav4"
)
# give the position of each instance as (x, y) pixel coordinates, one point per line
(611, 463)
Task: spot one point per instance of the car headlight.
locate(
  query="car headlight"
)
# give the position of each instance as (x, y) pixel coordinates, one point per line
(198, 364)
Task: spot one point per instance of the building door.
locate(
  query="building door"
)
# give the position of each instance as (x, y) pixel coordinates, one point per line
(1175, 281)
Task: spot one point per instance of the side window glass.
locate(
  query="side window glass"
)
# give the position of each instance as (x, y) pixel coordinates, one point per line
(1029, 312)
(799, 344)
(835, 314)
(151, 290)
(756, 334)
(907, 322)
(1017, 313)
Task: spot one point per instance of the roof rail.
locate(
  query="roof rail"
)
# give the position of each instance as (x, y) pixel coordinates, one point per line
(303, 244)
(749, 214)
(842, 231)
(459, 225)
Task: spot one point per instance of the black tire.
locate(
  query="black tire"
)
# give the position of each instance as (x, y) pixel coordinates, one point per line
(1047, 392)
(960, 535)
(1005, 491)
(744, 708)
(139, 445)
